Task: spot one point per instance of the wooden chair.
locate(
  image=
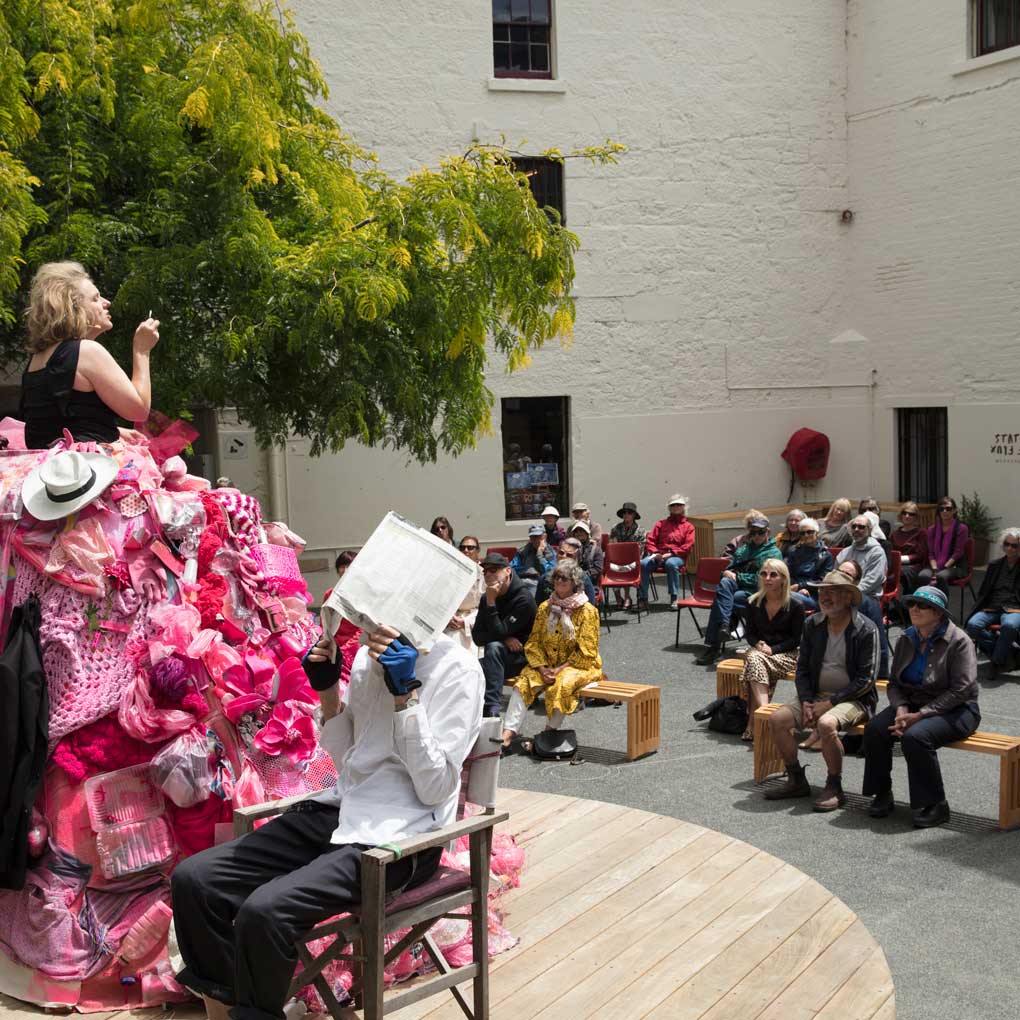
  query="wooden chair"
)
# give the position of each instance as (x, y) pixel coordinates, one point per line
(706, 581)
(621, 568)
(365, 928)
(967, 581)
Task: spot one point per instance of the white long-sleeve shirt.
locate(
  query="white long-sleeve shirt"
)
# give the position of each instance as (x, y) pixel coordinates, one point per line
(399, 772)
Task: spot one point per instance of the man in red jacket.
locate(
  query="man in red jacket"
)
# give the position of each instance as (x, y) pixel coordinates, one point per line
(669, 543)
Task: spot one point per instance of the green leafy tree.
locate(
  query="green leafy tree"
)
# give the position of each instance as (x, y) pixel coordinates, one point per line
(179, 150)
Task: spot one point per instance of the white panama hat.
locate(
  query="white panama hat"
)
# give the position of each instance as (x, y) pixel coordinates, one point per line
(66, 482)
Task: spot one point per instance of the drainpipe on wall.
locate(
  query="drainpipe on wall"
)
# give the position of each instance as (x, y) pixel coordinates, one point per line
(276, 464)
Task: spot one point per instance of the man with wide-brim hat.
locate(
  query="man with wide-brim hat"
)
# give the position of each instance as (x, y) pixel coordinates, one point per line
(667, 547)
(628, 530)
(66, 483)
(554, 534)
(836, 671)
(933, 700)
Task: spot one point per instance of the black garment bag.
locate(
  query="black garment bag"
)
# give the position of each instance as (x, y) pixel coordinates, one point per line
(24, 733)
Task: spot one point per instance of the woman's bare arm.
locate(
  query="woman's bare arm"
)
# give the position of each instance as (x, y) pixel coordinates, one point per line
(127, 398)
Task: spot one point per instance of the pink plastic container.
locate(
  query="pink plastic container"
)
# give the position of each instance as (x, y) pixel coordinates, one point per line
(134, 846)
(127, 795)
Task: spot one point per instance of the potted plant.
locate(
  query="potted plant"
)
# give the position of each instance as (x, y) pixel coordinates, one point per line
(974, 512)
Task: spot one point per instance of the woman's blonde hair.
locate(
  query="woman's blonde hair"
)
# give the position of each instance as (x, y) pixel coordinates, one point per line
(56, 309)
(752, 515)
(841, 503)
(784, 575)
(912, 507)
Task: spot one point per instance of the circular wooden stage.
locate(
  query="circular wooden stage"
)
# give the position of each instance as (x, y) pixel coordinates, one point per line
(626, 914)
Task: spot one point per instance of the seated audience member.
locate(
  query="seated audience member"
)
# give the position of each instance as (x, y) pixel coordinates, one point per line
(869, 554)
(535, 559)
(790, 535)
(591, 556)
(442, 528)
(870, 506)
(911, 541)
(947, 546)
(398, 753)
(933, 700)
(998, 601)
(836, 670)
(835, 532)
(808, 562)
(738, 540)
(872, 609)
(554, 534)
(668, 545)
(502, 625)
(580, 512)
(736, 584)
(628, 530)
(773, 625)
(459, 628)
(876, 530)
(562, 654)
(570, 549)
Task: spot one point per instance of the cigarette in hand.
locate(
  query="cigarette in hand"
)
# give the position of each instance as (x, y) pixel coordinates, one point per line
(150, 313)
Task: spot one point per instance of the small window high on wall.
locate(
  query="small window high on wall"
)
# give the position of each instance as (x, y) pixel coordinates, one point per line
(996, 25)
(522, 38)
(545, 178)
(923, 453)
(535, 466)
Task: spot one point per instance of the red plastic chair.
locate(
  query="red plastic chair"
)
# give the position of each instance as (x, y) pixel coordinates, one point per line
(509, 551)
(706, 581)
(966, 582)
(891, 588)
(621, 568)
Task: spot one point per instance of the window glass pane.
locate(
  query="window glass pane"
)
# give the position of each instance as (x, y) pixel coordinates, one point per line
(500, 10)
(520, 10)
(540, 58)
(535, 444)
(540, 11)
(539, 35)
(519, 57)
(519, 33)
(501, 56)
(501, 33)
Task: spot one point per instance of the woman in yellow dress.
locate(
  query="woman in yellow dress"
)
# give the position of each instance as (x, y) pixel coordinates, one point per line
(562, 653)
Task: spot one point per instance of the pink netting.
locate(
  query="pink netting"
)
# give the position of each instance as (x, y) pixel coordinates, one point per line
(282, 778)
(87, 670)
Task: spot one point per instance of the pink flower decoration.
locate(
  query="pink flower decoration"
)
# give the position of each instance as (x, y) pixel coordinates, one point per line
(289, 733)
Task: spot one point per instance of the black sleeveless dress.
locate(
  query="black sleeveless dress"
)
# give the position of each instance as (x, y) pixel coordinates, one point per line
(50, 404)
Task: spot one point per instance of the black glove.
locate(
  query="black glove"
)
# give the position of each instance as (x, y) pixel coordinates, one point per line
(322, 675)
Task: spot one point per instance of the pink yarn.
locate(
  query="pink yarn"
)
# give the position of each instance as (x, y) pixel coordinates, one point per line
(169, 680)
(102, 746)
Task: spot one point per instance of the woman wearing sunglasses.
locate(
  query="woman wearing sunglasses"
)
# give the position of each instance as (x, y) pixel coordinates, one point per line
(911, 541)
(459, 628)
(773, 624)
(947, 543)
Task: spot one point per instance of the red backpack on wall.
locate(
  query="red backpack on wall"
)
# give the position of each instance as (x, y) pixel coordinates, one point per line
(807, 453)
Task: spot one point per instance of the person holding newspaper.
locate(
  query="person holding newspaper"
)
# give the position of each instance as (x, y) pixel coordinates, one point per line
(399, 737)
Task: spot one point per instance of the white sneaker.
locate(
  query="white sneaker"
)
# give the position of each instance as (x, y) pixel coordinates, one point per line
(673, 605)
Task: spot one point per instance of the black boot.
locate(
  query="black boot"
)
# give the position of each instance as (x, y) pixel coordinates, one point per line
(708, 656)
(796, 784)
(931, 815)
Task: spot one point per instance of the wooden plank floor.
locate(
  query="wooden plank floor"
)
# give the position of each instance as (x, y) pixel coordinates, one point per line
(625, 914)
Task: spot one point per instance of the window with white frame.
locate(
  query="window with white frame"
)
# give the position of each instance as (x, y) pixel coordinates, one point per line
(522, 38)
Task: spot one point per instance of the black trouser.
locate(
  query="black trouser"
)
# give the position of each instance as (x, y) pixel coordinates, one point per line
(920, 746)
(940, 578)
(499, 664)
(239, 907)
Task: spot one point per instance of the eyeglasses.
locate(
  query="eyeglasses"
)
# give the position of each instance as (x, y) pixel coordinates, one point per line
(467, 548)
(769, 573)
(946, 509)
(1011, 545)
(490, 569)
(758, 531)
(859, 527)
(908, 513)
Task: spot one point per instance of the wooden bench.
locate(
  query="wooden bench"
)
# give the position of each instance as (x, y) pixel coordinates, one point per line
(643, 712)
(727, 678)
(767, 760)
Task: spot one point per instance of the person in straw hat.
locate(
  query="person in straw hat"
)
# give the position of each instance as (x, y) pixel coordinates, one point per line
(667, 547)
(933, 700)
(836, 671)
(628, 530)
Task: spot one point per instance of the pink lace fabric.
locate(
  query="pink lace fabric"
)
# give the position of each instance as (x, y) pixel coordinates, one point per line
(87, 670)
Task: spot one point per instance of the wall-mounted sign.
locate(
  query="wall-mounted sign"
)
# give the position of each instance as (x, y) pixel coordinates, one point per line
(1005, 447)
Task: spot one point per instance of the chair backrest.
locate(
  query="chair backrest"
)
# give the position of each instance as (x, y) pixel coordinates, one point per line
(892, 574)
(480, 776)
(622, 563)
(708, 575)
(509, 551)
(835, 550)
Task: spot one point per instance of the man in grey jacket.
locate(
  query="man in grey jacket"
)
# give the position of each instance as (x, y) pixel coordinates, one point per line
(868, 554)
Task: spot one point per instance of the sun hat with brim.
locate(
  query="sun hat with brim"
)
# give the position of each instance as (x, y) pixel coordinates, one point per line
(580, 525)
(577, 507)
(629, 508)
(677, 499)
(66, 482)
(837, 579)
(929, 597)
(550, 510)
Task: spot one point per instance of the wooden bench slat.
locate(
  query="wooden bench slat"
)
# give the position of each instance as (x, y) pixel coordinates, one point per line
(643, 712)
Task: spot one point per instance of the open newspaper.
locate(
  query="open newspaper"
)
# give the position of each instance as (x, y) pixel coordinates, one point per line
(405, 578)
